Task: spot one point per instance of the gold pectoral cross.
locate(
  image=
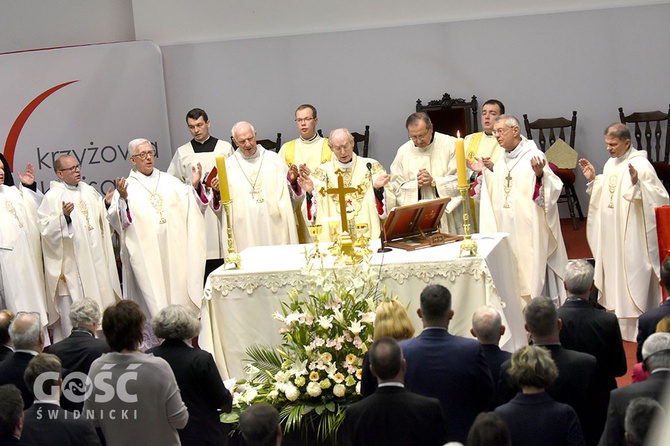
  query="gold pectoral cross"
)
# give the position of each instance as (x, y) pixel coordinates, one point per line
(507, 188)
(157, 203)
(10, 208)
(84, 211)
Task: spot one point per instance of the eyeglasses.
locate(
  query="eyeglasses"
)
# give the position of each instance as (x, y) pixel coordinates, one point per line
(71, 169)
(144, 155)
(305, 120)
(501, 131)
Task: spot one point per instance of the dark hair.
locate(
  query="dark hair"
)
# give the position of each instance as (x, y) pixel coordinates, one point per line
(123, 324)
(197, 113)
(42, 363)
(11, 409)
(386, 358)
(496, 102)
(417, 117)
(435, 303)
(4, 326)
(665, 273)
(489, 429)
(304, 106)
(258, 425)
(618, 130)
(541, 316)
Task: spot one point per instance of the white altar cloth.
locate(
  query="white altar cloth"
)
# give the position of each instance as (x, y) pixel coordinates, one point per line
(238, 305)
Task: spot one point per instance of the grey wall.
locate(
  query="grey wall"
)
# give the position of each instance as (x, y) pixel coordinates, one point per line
(544, 65)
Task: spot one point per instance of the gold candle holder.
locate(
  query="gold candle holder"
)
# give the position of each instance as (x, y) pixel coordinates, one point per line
(233, 259)
(467, 244)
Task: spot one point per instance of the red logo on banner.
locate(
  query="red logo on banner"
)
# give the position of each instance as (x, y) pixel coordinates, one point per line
(15, 131)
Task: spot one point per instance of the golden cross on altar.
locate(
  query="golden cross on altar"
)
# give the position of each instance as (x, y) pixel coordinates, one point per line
(342, 192)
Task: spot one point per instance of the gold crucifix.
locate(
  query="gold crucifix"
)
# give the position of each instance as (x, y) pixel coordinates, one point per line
(341, 192)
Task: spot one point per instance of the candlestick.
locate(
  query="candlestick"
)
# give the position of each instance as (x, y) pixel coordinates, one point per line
(460, 161)
(223, 178)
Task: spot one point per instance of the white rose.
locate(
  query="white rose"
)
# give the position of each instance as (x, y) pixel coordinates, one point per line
(314, 389)
(339, 390)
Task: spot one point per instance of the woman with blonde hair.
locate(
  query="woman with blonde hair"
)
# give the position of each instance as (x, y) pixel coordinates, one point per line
(391, 320)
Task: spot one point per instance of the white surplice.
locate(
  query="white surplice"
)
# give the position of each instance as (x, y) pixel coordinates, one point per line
(623, 237)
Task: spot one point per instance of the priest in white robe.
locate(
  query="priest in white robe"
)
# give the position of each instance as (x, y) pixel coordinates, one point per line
(21, 270)
(307, 152)
(621, 229)
(367, 204)
(519, 196)
(264, 192)
(202, 149)
(425, 168)
(77, 244)
(161, 223)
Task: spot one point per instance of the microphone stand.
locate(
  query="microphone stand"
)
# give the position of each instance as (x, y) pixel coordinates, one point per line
(382, 233)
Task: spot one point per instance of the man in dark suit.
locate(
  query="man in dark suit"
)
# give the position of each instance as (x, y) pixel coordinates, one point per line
(78, 351)
(656, 354)
(587, 329)
(447, 367)
(646, 323)
(198, 378)
(575, 384)
(26, 334)
(487, 327)
(392, 415)
(6, 349)
(45, 423)
(11, 415)
(259, 425)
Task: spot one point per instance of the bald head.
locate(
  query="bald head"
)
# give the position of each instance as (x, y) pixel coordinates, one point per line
(244, 136)
(487, 325)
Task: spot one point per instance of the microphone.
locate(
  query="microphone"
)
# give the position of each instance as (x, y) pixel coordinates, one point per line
(382, 232)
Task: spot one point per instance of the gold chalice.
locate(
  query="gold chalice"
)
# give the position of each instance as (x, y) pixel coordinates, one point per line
(333, 225)
(362, 240)
(315, 232)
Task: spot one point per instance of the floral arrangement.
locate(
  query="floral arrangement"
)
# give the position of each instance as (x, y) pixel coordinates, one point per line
(316, 371)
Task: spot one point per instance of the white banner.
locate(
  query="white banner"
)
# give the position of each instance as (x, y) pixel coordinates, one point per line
(86, 101)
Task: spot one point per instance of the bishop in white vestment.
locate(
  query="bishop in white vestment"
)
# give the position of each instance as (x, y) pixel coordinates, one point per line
(161, 223)
(520, 197)
(264, 193)
(425, 168)
(21, 271)
(77, 244)
(621, 229)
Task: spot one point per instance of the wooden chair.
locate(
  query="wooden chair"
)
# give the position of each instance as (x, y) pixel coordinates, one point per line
(653, 123)
(358, 137)
(549, 130)
(450, 115)
(266, 143)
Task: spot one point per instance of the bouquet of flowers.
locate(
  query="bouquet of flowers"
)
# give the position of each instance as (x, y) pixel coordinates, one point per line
(316, 371)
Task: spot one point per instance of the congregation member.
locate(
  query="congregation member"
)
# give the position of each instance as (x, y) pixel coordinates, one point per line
(28, 339)
(641, 414)
(308, 152)
(621, 228)
(77, 244)
(11, 415)
(392, 415)
(425, 168)
(532, 416)
(161, 225)
(656, 355)
(648, 321)
(391, 320)
(199, 382)
(489, 430)
(6, 171)
(448, 367)
(367, 204)
(21, 268)
(575, 384)
(78, 351)
(45, 422)
(259, 425)
(519, 196)
(585, 328)
(151, 400)
(265, 193)
(6, 347)
(639, 373)
(202, 149)
(487, 327)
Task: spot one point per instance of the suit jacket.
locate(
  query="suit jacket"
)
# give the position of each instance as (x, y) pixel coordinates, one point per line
(574, 386)
(11, 372)
(77, 352)
(652, 388)
(452, 369)
(47, 424)
(201, 389)
(5, 352)
(394, 416)
(646, 324)
(495, 358)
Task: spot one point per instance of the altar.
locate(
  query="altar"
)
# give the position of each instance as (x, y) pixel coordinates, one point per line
(237, 306)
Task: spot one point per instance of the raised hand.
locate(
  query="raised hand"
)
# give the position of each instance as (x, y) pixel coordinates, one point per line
(67, 208)
(382, 180)
(538, 163)
(29, 177)
(122, 186)
(587, 169)
(196, 175)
